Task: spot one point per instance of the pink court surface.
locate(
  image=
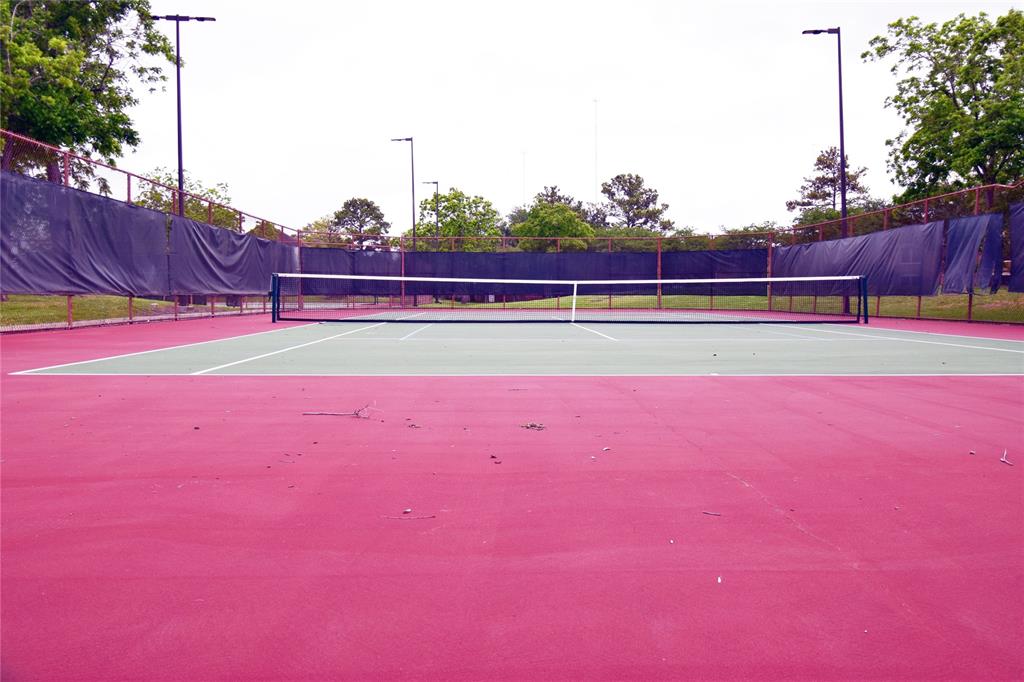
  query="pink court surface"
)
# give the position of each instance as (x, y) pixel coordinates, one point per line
(190, 524)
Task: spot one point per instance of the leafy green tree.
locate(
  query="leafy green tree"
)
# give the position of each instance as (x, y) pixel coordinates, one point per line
(472, 220)
(204, 204)
(961, 96)
(756, 236)
(322, 233)
(68, 69)
(553, 195)
(267, 230)
(546, 222)
(361, 222)
(631, 204)
(822, 189)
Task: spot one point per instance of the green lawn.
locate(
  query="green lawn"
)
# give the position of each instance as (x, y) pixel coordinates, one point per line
(21, 309)
(27, 310)
(1000, 307)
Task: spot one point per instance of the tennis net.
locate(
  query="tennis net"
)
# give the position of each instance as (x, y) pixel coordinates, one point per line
(313, 297)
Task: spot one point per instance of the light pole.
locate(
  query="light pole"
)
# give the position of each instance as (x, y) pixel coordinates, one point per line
(437, 219)
(843, 230)
(412, 167)
(177, 19)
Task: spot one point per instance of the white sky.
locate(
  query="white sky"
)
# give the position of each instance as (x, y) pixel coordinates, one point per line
(721, 107)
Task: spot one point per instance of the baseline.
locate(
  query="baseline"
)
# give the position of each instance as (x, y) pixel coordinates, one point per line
(898, 338)
(158, 350)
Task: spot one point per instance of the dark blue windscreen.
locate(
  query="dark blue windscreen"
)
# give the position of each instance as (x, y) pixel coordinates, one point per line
(1017, 247)
(900, 262)
(59, 240)
(963, 242)
(213, 260)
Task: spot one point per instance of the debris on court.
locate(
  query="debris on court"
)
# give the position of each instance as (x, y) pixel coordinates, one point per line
(535, 426)
(1004, 460)
(411, 518)
(407, 511)
(971, 452)
(710, 513)
(605, 449)
(362, 413)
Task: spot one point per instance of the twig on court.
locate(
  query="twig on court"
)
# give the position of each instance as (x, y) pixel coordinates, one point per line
(711, 513)
(1004, 460)
(362, 413)
(410, 518)
(533, 426)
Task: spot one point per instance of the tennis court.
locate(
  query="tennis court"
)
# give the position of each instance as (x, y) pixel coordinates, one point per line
(234, 499)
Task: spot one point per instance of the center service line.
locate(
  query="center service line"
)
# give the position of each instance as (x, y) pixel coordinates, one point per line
(593, 331)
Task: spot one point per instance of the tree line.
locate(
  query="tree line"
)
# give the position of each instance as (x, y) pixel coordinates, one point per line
(67, 79)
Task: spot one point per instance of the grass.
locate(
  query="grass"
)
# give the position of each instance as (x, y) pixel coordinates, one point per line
(1003, 306)
(29, 310)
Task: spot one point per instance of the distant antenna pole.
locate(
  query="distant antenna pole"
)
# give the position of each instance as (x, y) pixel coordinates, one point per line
(524, 176)
(595, 152)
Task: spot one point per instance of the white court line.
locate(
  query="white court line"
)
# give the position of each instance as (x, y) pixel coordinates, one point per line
(416, 331)
(717, 375)
(593, 331)
(285, 350)
(157, 350)
(897, 338)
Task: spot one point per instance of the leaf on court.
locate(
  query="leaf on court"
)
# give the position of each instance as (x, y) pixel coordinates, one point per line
(535, 426)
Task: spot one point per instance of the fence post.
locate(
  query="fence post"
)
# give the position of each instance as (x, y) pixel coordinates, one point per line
(131, 309)
(67, 169)
(71, 315)
(926, 210)
(129, 176)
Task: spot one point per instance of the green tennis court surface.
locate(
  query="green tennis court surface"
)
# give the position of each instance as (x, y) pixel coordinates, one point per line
(409, 349)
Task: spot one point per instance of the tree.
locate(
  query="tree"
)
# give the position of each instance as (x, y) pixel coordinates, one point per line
(822, 190)
(552, 195)
(633, 205)
(267, 230)
(756, 236)
(204, 204)
(68, 71)
(322, 233)
(961, 97)
(361, 222)
(471, 219)
(546, 222)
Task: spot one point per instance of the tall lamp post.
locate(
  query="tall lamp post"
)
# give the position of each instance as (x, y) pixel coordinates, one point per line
(437, 219)
(412, 167)
(843, 229)
(177, 19)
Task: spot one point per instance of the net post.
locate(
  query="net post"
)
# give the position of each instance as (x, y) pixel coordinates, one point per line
(572, 315)
(659, 271)
(864, 296)
(275, 296)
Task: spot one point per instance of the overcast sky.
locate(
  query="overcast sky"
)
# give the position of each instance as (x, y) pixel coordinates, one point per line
(721, 107)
